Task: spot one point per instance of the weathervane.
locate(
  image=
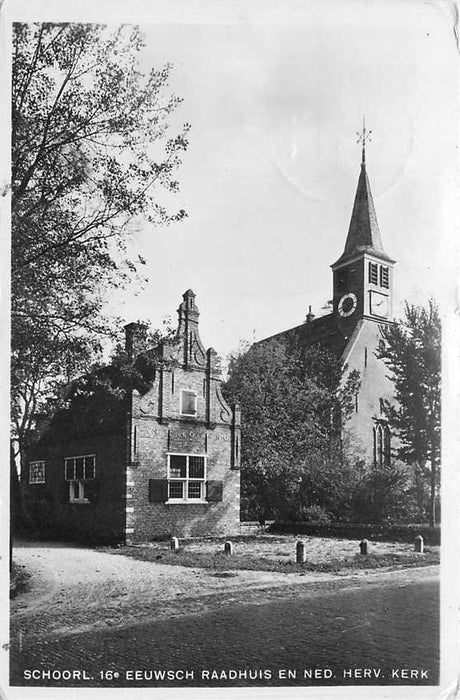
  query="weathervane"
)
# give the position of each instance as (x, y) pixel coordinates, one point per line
(363, 137)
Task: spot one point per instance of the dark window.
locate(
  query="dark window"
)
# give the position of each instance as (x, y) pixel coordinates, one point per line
(178, 466)
(196, 467)
(373, 273)
(79, 468)
(194, 489)
(37, 473)
(176, 489)
(384, 276)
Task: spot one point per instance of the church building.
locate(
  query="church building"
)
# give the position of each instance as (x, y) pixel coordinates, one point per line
(362, 303)
(153, 463)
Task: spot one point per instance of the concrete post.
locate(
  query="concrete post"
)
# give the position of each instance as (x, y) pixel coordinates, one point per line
(300, 552)
(174, 544)
(418, 542)
(363, 545)
(228, 548)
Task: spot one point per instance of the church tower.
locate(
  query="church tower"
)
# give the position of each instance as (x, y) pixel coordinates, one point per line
(363, 275)
(362, 304)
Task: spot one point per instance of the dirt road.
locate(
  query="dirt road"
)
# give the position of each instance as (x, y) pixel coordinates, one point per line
(74, 589)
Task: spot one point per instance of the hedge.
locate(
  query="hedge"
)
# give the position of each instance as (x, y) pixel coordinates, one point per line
(389, 533)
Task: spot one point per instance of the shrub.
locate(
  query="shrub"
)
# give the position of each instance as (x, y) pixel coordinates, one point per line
(316, 514)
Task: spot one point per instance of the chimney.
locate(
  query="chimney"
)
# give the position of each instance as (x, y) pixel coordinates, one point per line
(134, 332)
(188, 323)
(309, 317)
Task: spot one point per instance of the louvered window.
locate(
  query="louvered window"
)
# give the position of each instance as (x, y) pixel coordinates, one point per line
(384, 276)
(373, 273)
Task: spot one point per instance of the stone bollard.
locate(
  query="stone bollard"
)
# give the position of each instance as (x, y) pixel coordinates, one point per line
(174, 544)
(363, 545)
(228, 548)
(300, 552)
(418, 543)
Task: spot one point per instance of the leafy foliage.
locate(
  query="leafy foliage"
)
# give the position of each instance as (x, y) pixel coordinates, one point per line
(292, 415)
(96, 400)
(412, 352)
(91, 151)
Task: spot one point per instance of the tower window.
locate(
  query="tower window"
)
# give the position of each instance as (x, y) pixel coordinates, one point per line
(373, 273)
(384, 276)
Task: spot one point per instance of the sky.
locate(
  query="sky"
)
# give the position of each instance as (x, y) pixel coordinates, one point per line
(275, 98)
(270, 175)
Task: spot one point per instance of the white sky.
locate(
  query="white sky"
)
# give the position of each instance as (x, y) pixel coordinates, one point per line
(270, 175)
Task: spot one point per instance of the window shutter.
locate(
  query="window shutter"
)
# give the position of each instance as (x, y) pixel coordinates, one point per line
(158, 490)
(92, 490)
(214, 491)
(65, 493)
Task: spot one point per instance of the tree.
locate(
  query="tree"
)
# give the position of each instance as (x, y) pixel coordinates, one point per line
(412, 352)
(292, 406)
(90, 151)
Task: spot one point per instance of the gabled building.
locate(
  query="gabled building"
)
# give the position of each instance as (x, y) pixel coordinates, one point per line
(362, 281)
(152, 463)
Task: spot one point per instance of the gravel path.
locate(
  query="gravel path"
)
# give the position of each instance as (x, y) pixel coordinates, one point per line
(74, 589)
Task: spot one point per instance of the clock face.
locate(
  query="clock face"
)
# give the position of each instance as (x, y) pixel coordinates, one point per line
(379, 304)
(347, 304)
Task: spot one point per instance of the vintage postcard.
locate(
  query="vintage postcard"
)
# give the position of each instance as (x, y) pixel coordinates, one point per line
(230, 349)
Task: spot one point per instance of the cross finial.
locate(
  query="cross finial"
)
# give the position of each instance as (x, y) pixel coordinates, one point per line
(363, 137)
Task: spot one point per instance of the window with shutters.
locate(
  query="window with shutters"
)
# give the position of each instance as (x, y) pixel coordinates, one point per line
(384, 276)
(37, 473)
(373, 273)
(186, 478)
(79, 472)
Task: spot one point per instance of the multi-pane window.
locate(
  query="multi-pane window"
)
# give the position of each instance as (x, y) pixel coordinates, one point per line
(78, 471)
(188, 402)
(373, 273)
(186, 477)
(37, 473)
(384, 276)
(382, 445)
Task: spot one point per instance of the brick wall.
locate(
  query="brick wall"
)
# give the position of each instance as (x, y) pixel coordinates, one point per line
(158, 430)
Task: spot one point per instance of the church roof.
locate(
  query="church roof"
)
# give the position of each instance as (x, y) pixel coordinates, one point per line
(363, 233)
(323, 331)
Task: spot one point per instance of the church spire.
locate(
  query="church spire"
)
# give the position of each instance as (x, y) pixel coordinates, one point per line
(363, 233)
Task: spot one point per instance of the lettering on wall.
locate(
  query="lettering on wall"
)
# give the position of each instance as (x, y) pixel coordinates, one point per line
(184, 439)
(222, 438)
